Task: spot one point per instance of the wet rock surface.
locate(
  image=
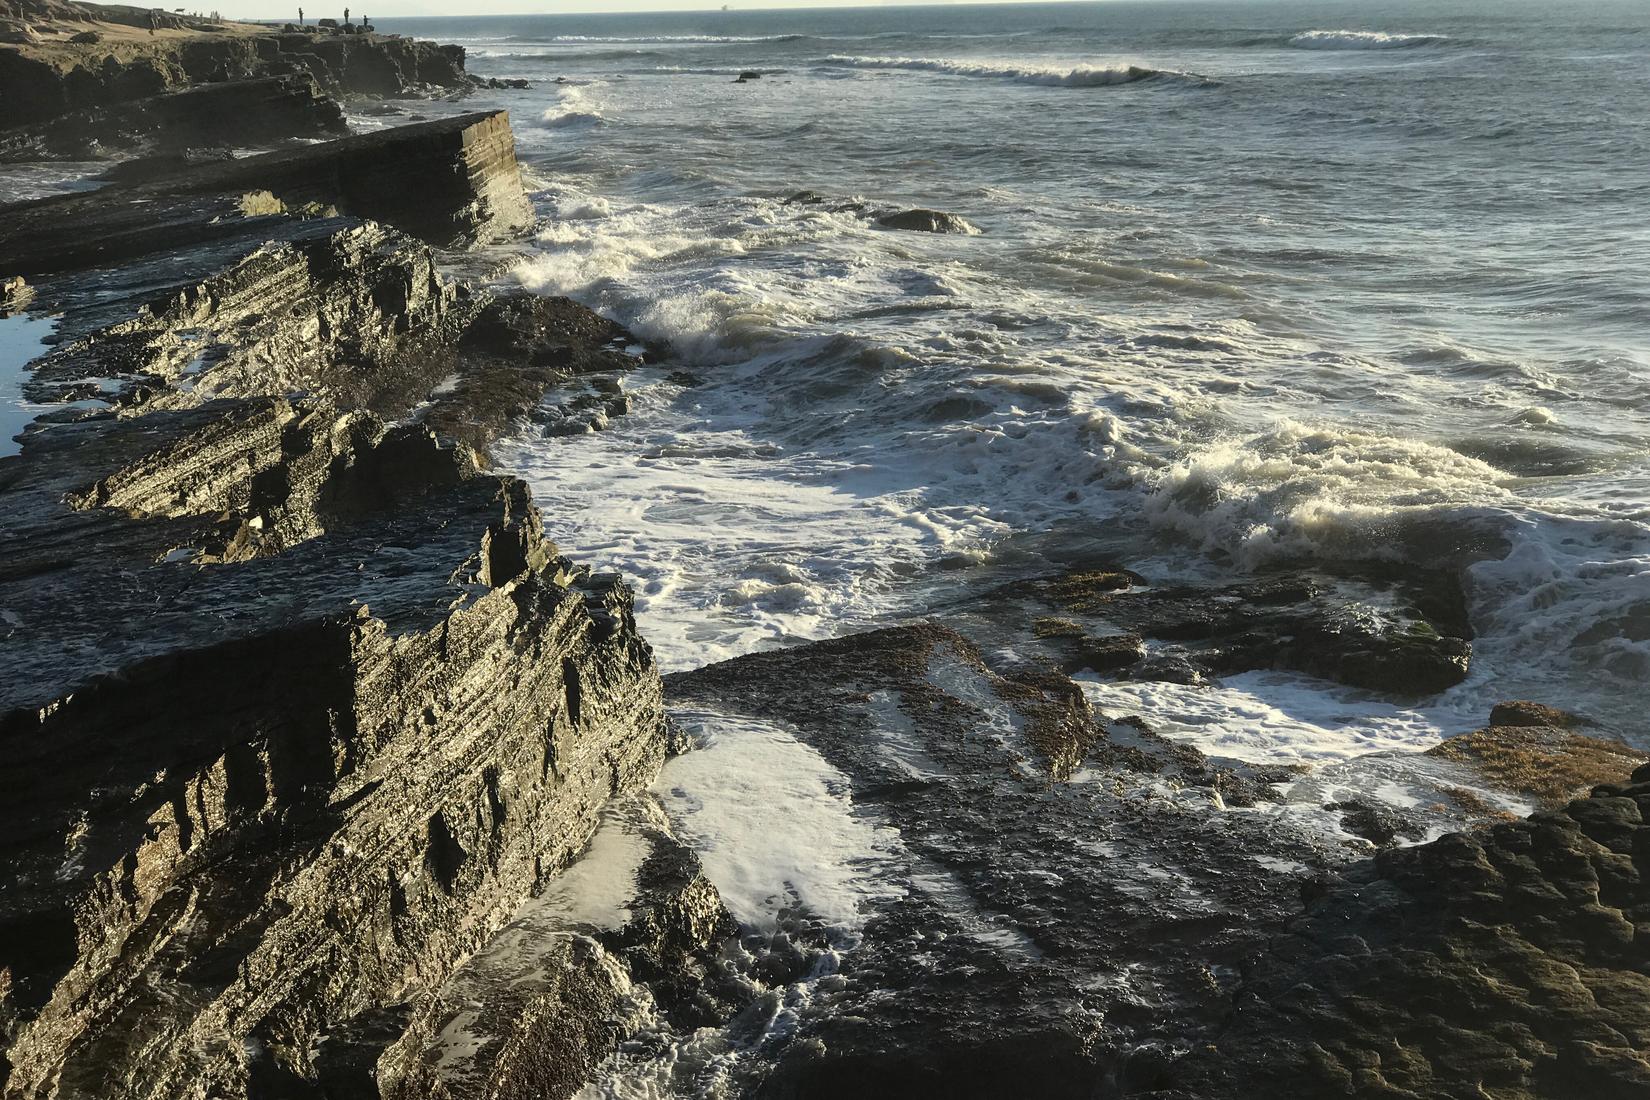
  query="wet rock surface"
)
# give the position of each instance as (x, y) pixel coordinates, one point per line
(1083, 907)
(927, 221)
(1073, 906)
(1405, 636)
(331, 705)
(1505, 962)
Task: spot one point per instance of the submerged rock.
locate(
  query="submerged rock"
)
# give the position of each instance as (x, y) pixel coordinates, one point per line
(927, 221)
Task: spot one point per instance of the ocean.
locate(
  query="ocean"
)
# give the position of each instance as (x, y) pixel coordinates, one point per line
(1252, 283)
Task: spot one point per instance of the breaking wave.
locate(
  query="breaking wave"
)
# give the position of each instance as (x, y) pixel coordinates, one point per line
(1083, 76)
(1363, 40)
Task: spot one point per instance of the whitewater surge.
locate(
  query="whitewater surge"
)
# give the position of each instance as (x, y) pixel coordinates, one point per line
(1194, 357)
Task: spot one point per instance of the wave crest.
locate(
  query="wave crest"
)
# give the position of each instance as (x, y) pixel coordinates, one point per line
(1363, 40)
(1083, 76)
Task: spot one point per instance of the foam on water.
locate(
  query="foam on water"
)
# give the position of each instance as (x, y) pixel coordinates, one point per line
(1278, 717)
(766, 813)
(1293, 343)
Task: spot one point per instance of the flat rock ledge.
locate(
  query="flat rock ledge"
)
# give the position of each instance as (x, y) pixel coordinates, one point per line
(451, 182)
(302, 702)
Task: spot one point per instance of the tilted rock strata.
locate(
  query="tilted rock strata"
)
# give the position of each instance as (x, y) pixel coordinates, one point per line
(306, 781)
(328, 705)
(42, 80)
(240, 113)
(449, 182)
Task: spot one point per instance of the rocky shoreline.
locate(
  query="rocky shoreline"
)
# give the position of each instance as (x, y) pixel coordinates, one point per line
(327, 774)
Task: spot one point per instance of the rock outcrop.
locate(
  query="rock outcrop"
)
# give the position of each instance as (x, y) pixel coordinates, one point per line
(1405, 634)
(927, 221)
(302, 704)
(239, 113)
(1508, 962)
(450, 182)
(1069, 901)
(42, 80)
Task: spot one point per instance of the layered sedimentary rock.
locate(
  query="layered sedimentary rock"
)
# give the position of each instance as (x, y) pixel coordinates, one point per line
(248, 800)
(239, 113)
(451, 181)
(43, 79)
(329, 704)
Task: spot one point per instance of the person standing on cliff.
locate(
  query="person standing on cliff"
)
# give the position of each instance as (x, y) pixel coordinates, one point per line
(152, 20)
(346, 17)
(300, 17)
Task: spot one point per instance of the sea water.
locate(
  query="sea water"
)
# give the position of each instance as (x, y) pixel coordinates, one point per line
(1255, 282)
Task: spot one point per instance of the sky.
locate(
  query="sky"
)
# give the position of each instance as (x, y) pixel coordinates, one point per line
(264, 9)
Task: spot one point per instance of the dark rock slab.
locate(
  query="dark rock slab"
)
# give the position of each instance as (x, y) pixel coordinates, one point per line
(927, 221)
(449, 182)
(240, 113)
(1508, 962)
(1401, 634)
(1075, 905)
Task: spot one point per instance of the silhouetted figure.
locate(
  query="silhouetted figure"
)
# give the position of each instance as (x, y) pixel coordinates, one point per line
(346, 17)
(153, 21)
(300, 17)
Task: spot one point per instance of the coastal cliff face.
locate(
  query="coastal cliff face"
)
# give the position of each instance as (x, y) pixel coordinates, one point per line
(330, 705)
(40, 81)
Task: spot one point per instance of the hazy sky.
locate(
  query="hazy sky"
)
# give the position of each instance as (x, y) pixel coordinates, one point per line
(313, 9)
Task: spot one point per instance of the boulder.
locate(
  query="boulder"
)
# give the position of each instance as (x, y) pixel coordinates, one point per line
(15, 294)
(1524, 713)
(927, 221)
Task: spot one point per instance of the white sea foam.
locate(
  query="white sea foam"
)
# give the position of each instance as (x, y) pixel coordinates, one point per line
(574, 107)
(774, 825)
(1079, 76)
(1312, 490)
(1278, 717)
(1362, 40)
